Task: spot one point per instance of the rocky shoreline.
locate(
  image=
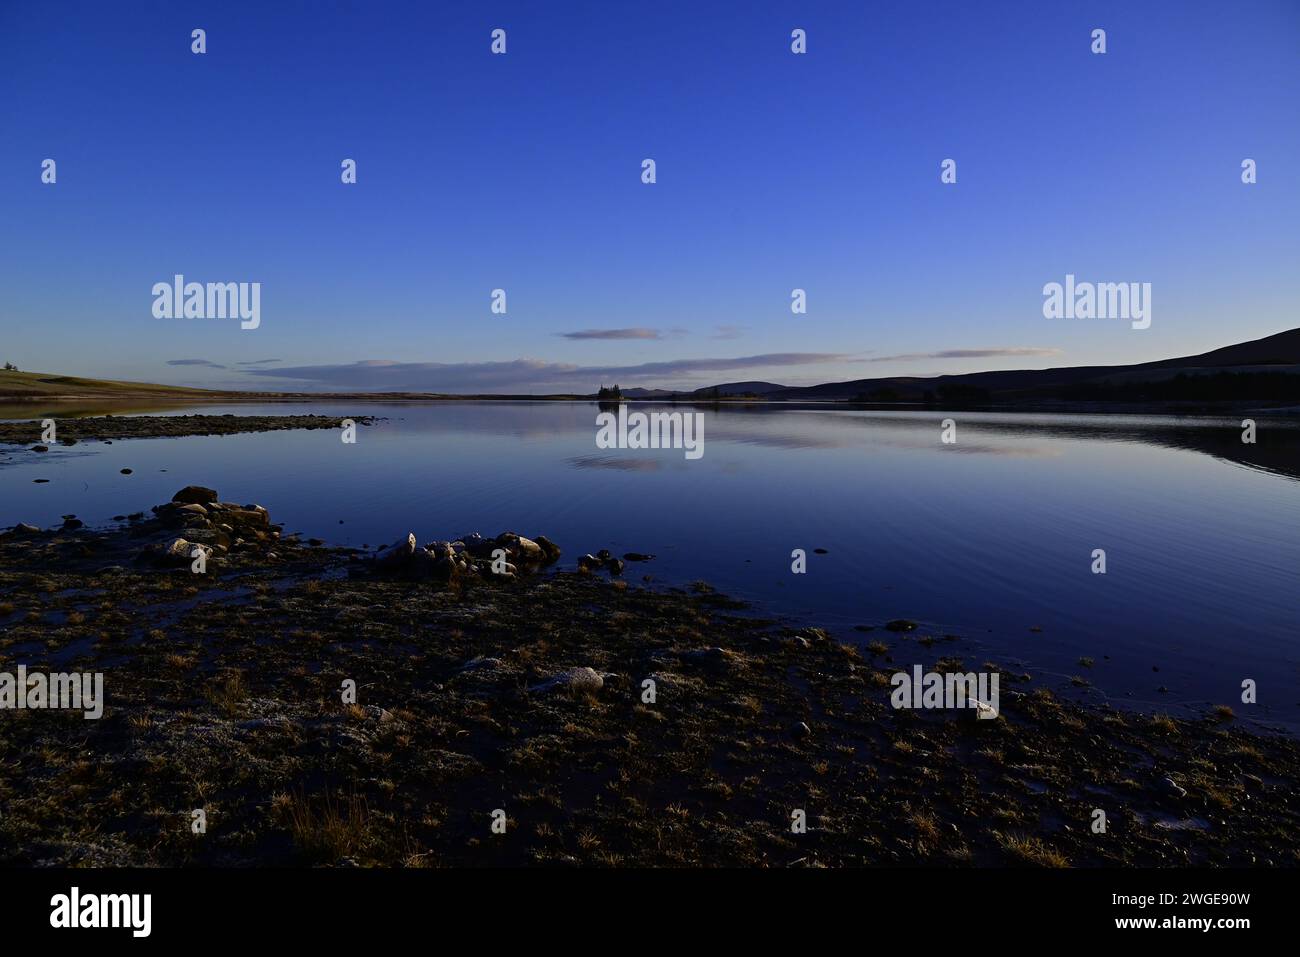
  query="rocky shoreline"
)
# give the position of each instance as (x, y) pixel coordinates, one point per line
(502, 686)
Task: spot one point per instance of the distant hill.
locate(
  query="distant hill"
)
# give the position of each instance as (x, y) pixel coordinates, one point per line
(726, 389)
(741, 388)
(648, 393)
(1253, 366)
(1262, 370)
(1282, 348)
(43, 385)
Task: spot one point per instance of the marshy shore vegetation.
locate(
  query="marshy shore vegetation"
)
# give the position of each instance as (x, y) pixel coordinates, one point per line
(527, 694)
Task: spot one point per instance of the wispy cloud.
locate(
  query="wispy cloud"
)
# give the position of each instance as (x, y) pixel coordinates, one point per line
(194, 362)
(612, 334)
(1013, 352)
(258, 362)
(526, 375)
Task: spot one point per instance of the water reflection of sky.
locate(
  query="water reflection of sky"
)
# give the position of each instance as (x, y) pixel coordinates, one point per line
(987, 538)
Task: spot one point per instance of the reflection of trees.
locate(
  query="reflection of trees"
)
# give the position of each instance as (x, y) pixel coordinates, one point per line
(1276, 448)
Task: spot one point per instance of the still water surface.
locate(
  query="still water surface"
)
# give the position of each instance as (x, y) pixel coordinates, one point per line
(990, 538)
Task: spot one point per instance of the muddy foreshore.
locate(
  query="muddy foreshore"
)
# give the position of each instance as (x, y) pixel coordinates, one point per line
(224, 693)
(72, 430)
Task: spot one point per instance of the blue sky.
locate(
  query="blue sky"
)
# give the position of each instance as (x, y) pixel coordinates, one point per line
(522, 172)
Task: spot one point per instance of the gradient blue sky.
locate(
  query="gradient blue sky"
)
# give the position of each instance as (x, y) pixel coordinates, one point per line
(522, 171)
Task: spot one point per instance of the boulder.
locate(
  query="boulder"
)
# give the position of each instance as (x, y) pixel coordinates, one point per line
(712, 659)
(527, 550)
(176, 551)
(446, 570)
(424, 565)
(489, 568)
(397, 555)
(256, 517)
(195, 495)
(577, 680)
(550, 551)
(441, 550)
(478, 546)
(1171, 788)
(206, 536)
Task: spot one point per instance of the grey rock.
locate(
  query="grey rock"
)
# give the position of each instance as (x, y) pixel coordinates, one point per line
(176, 551)
(207, 536)
(582, 679)
(716, 659)
(398, 554)
(1170, 788)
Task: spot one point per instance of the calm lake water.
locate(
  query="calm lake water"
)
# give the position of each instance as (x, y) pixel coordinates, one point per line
(990, 538)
